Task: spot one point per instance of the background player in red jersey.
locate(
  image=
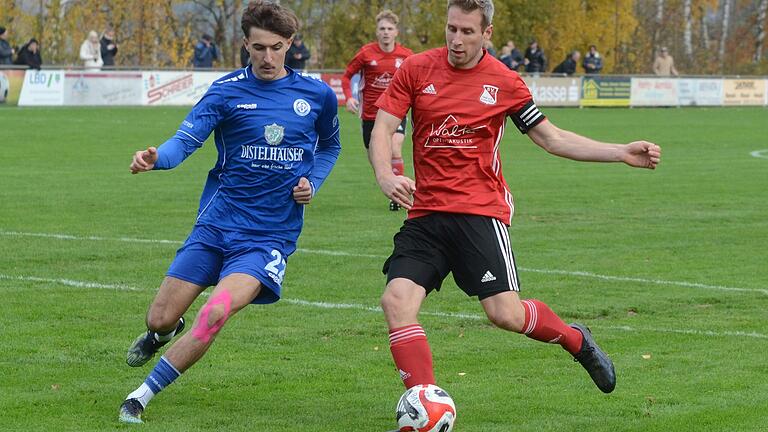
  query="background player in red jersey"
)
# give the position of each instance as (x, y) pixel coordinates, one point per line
(460, 98)
(378, 61)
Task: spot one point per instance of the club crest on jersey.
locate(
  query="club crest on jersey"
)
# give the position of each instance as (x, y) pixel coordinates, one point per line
(489, 94)
(274, 134)
(301, 107)
(398, 62)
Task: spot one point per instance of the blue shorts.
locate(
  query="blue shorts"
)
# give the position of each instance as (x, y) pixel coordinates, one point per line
(210, 254)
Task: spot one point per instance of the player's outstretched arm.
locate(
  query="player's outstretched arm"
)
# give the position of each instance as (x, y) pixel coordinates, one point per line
(567, 144)
(144, 160)
(399, 189)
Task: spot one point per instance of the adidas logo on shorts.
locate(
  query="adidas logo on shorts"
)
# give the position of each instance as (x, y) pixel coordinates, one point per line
(488, 277)
(430, 90)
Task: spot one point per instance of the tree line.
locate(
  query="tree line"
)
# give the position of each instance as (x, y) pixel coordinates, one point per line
(704, 36)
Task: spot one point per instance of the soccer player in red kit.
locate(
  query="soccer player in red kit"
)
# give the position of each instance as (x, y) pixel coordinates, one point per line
(460, 97)
(378, 60)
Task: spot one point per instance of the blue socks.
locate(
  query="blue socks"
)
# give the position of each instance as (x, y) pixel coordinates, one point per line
(161, 377)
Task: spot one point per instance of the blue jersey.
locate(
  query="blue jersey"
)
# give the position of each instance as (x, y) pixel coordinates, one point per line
(268, 135)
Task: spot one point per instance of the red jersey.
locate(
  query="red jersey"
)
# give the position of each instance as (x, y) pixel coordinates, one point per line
(378, 69)
(459, 117)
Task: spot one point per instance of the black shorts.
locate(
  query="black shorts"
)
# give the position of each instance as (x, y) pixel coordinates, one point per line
(368, 128)
(475, 249)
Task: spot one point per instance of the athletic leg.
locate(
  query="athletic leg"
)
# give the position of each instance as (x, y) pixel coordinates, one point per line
(486, 268)
(537, 321)
(231, 294)
(164, 318)
(401, 302)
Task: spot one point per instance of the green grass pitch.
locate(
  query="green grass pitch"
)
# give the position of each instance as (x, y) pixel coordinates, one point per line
(668, 268)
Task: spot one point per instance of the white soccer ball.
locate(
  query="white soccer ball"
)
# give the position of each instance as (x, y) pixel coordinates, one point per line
(426, 408)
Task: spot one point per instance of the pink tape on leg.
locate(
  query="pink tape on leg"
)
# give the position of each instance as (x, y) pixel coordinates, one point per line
(204, 332)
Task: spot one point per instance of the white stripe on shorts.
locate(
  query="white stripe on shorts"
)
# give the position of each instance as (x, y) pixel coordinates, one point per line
(503, 239)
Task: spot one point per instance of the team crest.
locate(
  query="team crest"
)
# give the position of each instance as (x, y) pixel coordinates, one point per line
(489, 94)
(398, 62)
(274, 134)
(301, 107)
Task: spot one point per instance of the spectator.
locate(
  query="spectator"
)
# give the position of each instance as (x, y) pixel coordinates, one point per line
(90, 52)
(593, 63)
(568, 66)
(29, 55)
(206, 52)
(515, 56)
(6, 50)
(535, 62)
(488, 45)
(108, 47)
(297, 55)
(506, 56)
(664, 65)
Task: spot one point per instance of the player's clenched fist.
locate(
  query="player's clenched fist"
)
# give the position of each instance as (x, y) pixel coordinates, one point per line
(302, 192)
(642, 154)
(144, 160)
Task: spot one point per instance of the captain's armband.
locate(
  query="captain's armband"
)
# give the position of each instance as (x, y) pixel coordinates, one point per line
(527, 117)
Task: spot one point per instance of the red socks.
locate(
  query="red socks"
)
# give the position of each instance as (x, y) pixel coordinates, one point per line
(412, 355)
(398, 167)
(413, 358)
(544, 325)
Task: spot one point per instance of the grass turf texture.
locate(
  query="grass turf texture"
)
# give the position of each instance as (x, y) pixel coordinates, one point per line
(687, 357)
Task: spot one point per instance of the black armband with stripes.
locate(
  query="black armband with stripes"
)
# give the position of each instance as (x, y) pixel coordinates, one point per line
(528, 117)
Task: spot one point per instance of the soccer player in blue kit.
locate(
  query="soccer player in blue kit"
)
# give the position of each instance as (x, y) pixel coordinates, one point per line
(277, 136)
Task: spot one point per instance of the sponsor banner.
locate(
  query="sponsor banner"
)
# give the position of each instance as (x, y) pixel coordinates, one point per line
(334, 81)
(699, 92)
(93, 88)
(653, 92)
(744, 92)
(175, 88)
(42, 88)
(11, 81)
(605, 91)
(554, 91)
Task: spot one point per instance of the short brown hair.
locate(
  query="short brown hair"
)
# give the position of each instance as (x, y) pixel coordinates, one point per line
(271, 17)
(387, 15)
(484, 6)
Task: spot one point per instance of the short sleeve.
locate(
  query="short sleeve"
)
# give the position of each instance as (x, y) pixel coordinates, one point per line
(397, 99)
(524, 112)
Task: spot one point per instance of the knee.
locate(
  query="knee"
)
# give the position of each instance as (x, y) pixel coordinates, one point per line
(216, 313)
(508, 319)
(391, 301)
(401, 303)
(161, 320)
(394, 300)
(212, 317)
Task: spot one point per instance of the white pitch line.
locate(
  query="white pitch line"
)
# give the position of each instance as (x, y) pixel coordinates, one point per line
(364, 308)
(763, 154)
(648, 281)
(359, 255)
(69, 282)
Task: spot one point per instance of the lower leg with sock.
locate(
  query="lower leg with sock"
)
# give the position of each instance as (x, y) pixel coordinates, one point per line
(542, 324)
(161, 377)
(412, 355)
